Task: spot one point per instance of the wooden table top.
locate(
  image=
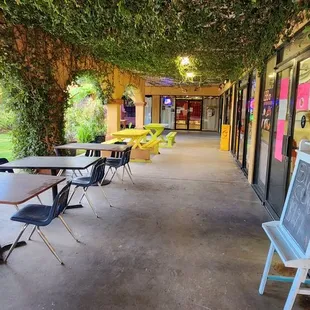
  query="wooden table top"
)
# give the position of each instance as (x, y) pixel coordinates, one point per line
(131, 133)
(16, 188)
(92, 147)
(51, 162)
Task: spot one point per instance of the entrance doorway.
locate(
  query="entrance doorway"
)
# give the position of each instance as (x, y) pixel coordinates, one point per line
(279, 161)
(188, 114)
(240, 136)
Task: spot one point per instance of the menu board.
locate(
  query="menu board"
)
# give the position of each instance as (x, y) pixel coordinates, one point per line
(296, 219)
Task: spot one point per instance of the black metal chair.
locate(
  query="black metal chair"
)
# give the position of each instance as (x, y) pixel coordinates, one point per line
(95, 178)
(43, 215)
(4, 161)
(123, 161)
(116, 154)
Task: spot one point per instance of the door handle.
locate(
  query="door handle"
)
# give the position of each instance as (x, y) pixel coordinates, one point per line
(286, 143)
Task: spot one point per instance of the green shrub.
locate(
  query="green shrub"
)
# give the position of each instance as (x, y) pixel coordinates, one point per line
(7, 119)
(85, 116)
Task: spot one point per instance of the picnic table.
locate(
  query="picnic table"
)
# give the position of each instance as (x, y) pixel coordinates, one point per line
(156, 130)
(135, 135)
(19, 188)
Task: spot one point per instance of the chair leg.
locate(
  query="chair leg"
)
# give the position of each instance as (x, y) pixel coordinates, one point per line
(129, 175)
(123, 174)
(117, 174)
(48, 244)
(113, 174)
(33, 229)
(105, 196)
(68, 227)
(71, 196)
(15, 242)
(60, 172)
(81, 198)
(39, 199)
(129, 168)
(90, 204)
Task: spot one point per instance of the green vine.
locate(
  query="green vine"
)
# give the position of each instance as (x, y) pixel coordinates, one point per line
(45, 43)
(35, 70)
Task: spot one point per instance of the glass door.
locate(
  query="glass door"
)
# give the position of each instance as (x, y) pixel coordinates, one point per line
(181, 117)
(280, 139)
(238, 123)
(194, 114)
(241, 149)
(188, 114)
(302, 106)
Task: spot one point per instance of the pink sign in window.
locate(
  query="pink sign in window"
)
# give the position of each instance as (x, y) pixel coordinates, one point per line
(303, 97)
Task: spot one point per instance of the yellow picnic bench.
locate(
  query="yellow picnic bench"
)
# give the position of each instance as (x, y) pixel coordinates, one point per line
(170, 137)
(140, 151)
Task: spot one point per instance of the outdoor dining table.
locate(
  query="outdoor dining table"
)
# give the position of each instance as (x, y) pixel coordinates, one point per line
(17, 188)
(156, 130)
(136, 136)
(52, 163)
(92, 147)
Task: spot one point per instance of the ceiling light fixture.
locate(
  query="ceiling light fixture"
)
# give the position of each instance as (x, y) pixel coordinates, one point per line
(185, 61)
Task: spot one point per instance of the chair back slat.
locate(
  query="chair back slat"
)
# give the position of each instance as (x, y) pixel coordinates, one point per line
(98, 170)
(126, 155)
(60, 202)
(116, 154)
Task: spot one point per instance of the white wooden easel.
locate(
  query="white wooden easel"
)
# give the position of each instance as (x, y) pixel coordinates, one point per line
(289, 250)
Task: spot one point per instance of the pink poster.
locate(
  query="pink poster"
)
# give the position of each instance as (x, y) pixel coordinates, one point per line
(303, 97)
(284, 86)
(279, 139)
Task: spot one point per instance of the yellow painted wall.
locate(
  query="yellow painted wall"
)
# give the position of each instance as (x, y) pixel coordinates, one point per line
(182, 91)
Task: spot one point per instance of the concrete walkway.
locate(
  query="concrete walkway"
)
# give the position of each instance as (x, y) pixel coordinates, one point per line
(187, 235)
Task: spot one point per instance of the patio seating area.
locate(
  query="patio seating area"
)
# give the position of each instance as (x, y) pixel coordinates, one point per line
(178, 238)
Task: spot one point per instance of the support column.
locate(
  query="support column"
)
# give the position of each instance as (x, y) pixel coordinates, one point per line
(113, 116)
(140, 112)
(155, 108)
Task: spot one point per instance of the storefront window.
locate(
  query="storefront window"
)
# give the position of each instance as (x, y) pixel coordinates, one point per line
(168, 111)
(302, 105)
(210, 114)
(278, 163)
(298, 44)
(250, 116)
(148, 110)
(265, 123)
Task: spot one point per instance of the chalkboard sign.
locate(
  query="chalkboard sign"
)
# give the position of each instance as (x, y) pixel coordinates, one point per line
(296, 213)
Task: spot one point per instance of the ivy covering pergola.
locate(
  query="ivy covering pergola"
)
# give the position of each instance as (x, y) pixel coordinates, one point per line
(222, 38)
